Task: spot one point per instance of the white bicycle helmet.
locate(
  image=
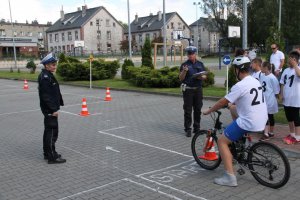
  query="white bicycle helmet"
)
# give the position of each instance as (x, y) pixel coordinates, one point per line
(241, 62)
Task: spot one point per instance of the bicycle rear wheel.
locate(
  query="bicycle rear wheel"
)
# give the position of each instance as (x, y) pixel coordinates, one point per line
(269, 165)
(205, 150)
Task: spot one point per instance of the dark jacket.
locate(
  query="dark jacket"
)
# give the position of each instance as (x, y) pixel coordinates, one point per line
(193, 69)
(49, 93)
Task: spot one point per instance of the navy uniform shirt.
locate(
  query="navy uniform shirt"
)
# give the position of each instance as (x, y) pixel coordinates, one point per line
(49, 93)
(193, 69)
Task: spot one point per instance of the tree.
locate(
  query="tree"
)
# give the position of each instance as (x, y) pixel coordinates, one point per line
(125, 25)
(146, 54)
(216, 8)
(124, 45)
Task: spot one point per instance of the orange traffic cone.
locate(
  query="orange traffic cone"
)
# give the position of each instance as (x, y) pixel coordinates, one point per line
(107, 97)
(84, 110)
(25, 85)
(210, 152)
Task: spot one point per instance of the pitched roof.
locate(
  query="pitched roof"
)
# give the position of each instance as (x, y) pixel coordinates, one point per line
(150, 23)
(208, 23)
(74, 20)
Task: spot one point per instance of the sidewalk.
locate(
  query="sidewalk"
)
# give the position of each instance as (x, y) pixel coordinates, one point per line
(281, 131)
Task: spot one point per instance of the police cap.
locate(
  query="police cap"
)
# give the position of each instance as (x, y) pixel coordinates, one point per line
(50, 58)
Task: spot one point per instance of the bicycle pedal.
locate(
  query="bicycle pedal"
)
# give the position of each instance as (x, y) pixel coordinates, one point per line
(241, 171)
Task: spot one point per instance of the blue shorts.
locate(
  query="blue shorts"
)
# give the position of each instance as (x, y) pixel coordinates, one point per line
(233, 132)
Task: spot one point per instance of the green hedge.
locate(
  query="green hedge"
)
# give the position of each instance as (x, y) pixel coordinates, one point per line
(71, 69)
(160, 78)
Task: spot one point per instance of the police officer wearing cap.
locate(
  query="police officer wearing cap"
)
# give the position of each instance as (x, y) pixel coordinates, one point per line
(192, 90)
(50, 102)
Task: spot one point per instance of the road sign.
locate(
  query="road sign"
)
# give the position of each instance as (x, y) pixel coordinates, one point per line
(91, 58)
(226, 60)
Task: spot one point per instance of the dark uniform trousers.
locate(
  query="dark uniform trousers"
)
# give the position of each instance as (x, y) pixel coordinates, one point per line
(192, 100)
(50, 137)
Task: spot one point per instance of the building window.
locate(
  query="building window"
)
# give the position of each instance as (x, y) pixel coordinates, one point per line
(148, 35)
(69, 36)
(40, 35)
(168, 27)
(15, 33)
(172, 25)
(215, 37)
(108, 35)
(50, 38)
(179, 25)
(76, 35)
(99, 35)
(56, 37)
(114, 24)
(203, 29)
(72, 47)
(59, 48)
(97, 22)
(99, 46)
(140, 38)
(154, 35)
(91, 23)
(107, 22)
(64, 48)
(183, 27)
(62, 36)
(68, 48)
(30, 34)
(51, 49)
(108, 47)
(2, 32)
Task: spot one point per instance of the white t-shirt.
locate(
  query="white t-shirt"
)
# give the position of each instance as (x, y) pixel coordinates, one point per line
(271, 87)
(275, 59)
(291, 88)
(257, 74)
(250, 104)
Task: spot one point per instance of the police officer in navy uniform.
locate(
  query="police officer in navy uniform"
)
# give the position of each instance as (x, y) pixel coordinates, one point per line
(50, 102)
(192, 90)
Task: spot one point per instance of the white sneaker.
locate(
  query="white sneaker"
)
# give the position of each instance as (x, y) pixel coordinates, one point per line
(226, 180)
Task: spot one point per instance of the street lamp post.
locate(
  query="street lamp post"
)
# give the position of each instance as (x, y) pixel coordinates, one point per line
(196, 37)
(129, 31)
(245, 24)
(165, 33)
(13, 37)
(279, 20)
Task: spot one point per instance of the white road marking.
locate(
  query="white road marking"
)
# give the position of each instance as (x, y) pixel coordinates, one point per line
(145, 144)
(172, 188)
(115, 128)
(153, 189)
(111, 149)
(69, 113)
(92, 189)
(18, 93)
(24, 111)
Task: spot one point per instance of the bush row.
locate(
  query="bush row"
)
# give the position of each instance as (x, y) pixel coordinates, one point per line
(160, 78)
(71, 69)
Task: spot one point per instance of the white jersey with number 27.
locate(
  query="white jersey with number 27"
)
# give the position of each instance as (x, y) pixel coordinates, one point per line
(291, 88)
(250, 103)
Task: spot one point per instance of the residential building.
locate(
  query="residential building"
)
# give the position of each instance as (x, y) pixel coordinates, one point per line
(95, 29)
(29, 39)
(208, 35)
(152, 26)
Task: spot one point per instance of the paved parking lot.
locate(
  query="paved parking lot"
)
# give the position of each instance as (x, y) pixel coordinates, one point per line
(130, 148)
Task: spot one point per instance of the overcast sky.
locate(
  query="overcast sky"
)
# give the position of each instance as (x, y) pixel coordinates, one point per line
(49, 10)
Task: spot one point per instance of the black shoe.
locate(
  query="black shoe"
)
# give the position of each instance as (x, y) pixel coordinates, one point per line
(188, 133)
(46, 157)
(57, 161)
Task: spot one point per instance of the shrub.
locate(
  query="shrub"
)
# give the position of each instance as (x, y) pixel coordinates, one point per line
(124, 73)
(31, 66)
(146, 54)
(62, 58)
(210, 78)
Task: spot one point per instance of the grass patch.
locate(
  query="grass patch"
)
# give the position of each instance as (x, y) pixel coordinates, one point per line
(280, 117)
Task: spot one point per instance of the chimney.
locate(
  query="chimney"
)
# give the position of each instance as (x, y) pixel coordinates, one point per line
(84, 10)
(136, 18)
(78, 9)
(151, 14)
(159, 15)
(62, 14)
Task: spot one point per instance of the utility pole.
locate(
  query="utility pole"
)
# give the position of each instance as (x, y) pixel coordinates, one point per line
(165, 33)
(279, 20)
(196, 37)
(129, 31)
(245, 24)
(13, 35)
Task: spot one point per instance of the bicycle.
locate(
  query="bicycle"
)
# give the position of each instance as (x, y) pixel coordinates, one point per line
(266, 162)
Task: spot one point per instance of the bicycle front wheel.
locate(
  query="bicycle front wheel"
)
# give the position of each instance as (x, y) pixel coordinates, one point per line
(269, 165)
(205, 150)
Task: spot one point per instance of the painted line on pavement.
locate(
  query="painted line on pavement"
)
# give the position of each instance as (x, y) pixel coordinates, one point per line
(18, 93)
(24, 111)
(153, 189)
(145, 144)
(92, 189)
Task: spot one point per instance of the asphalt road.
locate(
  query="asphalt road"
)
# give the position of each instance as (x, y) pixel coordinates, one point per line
(132, 147)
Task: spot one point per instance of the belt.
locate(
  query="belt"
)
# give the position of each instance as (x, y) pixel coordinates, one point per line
(192, 88)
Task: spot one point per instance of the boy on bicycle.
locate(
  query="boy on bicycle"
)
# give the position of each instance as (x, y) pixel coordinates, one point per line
(247, 95)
